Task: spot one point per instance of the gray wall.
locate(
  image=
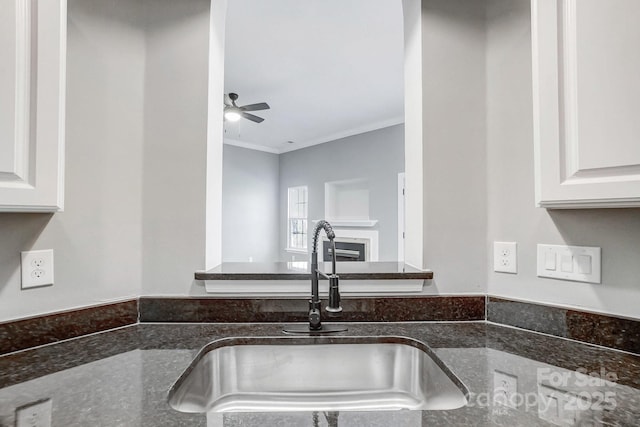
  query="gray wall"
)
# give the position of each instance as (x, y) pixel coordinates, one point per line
(454, 145)
(377, 156)
(250, 195)
(135, 164)
(175, 146)
(511, 212)
(135, 161)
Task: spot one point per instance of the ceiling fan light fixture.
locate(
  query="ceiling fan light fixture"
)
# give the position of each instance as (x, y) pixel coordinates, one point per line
(232, 114)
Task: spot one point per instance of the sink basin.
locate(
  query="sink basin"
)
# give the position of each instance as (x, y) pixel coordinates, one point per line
(278, 374)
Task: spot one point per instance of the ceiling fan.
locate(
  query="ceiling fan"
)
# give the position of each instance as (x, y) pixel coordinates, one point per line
(233, 113)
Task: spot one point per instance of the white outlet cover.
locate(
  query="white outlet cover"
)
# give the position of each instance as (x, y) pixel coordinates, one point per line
(505, 257)
(505, 389)
(37, 268)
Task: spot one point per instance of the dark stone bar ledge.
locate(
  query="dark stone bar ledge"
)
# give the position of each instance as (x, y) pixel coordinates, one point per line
(301, 271)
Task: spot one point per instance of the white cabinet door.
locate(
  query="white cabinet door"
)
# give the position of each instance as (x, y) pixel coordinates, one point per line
(32, 94)
(586, 90)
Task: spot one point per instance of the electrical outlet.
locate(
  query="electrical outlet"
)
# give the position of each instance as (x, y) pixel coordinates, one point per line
(505, 389)
(37, 414)
(505, 257)
(37, 268)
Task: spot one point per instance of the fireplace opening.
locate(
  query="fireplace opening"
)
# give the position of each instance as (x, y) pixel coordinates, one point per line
(346, 250)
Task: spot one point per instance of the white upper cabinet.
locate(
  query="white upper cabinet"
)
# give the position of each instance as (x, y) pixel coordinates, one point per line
(32, 104)
(586, 91)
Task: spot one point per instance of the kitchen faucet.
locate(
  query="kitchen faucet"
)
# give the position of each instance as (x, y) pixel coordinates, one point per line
(315, 318)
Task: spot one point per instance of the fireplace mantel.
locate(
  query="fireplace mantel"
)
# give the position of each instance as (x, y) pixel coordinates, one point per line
(350, 222)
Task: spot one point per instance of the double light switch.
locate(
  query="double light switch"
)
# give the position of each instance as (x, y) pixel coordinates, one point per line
(577, 263)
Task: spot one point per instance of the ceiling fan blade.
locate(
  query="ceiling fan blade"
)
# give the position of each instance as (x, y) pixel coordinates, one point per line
(252, 117)
(255, 107)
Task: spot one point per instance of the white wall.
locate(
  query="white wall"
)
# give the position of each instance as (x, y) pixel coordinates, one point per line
(454, 145)
(97, 239)
(511, 212)
(250, 210)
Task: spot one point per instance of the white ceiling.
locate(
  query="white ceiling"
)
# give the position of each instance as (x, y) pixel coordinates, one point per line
(327, 68)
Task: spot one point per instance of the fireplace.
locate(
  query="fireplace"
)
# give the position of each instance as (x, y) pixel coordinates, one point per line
(351, 245)
(346, 250)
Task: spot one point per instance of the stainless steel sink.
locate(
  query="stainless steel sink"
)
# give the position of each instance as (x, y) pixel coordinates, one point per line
(316, 374)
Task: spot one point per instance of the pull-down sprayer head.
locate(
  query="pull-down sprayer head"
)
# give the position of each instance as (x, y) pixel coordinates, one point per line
(334, 292)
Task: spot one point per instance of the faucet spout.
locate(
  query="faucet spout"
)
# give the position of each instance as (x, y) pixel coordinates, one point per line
(322, 225)
(334, 289)
(315, 318)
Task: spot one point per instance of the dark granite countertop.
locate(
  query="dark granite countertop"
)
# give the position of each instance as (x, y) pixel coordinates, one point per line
(300, 271)
(121, 377)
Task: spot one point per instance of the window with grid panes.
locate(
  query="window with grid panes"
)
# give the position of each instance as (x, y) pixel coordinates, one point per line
(297, 223)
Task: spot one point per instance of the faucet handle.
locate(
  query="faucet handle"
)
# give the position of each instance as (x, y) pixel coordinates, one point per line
(315, 322)
(334, 295)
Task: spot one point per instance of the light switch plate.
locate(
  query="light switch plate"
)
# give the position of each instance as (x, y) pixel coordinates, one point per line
(36, 414)
(505, 257)
(575, 263)
(564, 408)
